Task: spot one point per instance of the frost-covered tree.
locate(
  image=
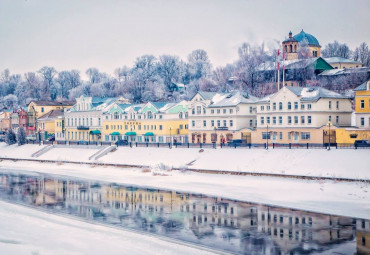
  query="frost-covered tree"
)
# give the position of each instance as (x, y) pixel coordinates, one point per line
(10, 101)
(170, 69)
(362, 54)
(199, 65)
(10, 137)
(303, 50)
(336, 49)
(47, 86)
(67, 80)
(21, 136)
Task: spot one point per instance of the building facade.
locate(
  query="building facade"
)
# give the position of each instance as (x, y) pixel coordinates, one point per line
(301, 115)
(83, 121)
(292, 44)
(362, 105)
(220, 118)
(153, 122)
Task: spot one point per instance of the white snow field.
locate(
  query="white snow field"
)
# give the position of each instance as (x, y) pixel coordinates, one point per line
(340, 198)
(344, 163)
(27, 231)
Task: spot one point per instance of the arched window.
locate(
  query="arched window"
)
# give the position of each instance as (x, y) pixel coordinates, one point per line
(291, 48)
(180, 115)
(186, 115)
(150, 115)
(193, 111)
(286, 48)
(116, 116)
(295, 48)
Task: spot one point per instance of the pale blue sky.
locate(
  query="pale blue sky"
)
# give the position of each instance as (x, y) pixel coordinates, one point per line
(71, 34)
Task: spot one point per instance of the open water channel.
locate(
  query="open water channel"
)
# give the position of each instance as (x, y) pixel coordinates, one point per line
(215, 222)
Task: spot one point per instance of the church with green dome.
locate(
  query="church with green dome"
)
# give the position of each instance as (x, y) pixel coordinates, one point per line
(291, 45)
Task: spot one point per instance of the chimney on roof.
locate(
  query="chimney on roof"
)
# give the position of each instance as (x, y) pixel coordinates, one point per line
(290, 34)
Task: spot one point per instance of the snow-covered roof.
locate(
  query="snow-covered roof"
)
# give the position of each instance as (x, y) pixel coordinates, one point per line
(51, 115)
(315, 93)
(233, 99)
(363, 86)
(333, 60)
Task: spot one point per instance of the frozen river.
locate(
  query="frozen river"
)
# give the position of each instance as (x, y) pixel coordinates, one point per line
(214, 222)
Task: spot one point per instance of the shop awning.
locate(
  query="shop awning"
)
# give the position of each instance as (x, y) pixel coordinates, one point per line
(149, 134)
(130, 133)
(95, 132)
(115, 133)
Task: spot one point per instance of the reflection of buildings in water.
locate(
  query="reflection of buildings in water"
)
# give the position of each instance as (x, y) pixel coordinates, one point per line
(212, 220)
(363, 236)
(290, 229)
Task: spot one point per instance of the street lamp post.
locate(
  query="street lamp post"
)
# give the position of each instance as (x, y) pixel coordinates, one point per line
(170, 138)
(329, 124)
(215, 138)
(267, 137)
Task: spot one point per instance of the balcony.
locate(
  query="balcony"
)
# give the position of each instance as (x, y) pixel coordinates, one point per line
(83, 127)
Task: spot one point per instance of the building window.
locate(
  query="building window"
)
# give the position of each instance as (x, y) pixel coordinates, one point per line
(107, 127)
(218, 111)
(268, 120)
(289, 105)
(262, 108)
(193, 123)
(262, 120)
(309, 106)
(42, 109)
(337, 105)
(266, 135)
(362, 121)
(295, 105)
(250, 109)
(193, 111)
(274, 106)
(289, 120)
(212, 123)
(231, 111)
(204, 123)
(309, 119)
(302, 106)
(281, 135)
(199, 110)
(337, 119)
(329, 118)
(329, 104)
(224, 123)
(180, 115)
(280, 120)
(302, 119)
(274, 120)
(212, 111)
(250, 123)
(231, 123)
(218, 123)
(280, 106)
(295, 119)
(305, 136)
(362, 104)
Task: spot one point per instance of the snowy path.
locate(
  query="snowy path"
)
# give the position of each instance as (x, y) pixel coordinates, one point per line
(336, 163)
(28, 231)
(341, 198)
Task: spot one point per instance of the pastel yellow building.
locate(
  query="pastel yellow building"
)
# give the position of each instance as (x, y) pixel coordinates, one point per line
(362, 105)
(48, 124)
(158, 122)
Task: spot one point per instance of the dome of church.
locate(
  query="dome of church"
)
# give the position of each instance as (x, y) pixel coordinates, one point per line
(312, 41)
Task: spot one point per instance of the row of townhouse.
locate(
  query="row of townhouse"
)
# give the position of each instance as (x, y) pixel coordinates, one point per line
(113, 119)
(292, 115)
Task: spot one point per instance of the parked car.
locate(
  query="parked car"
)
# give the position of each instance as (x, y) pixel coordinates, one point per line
(236, 143)
(121, 142)
(31, 137)
(51, 139)
(82, 143)
(362, 143)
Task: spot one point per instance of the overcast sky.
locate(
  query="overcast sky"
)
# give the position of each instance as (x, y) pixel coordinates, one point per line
(107, 34)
